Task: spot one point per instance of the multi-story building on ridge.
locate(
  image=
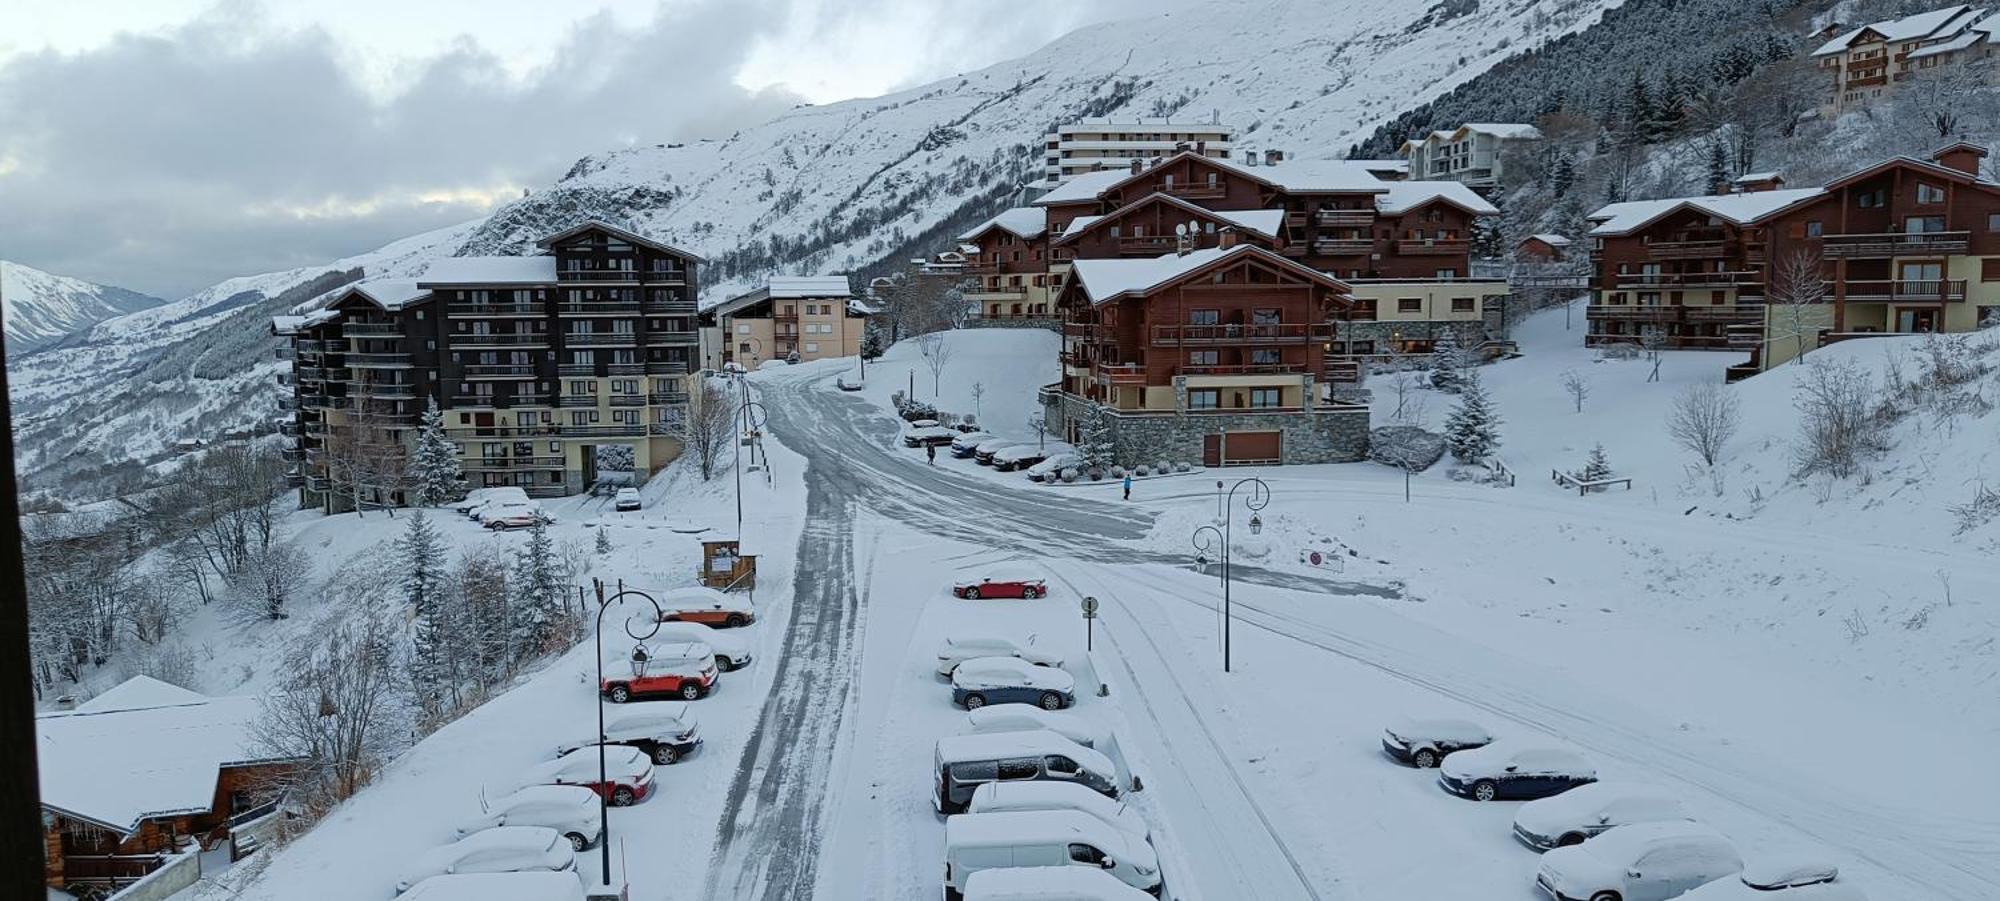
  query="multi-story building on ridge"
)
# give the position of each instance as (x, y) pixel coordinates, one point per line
(1903, 246)
(1091, 145)
(1867, 63)
(792, 318)
(1010, 269)
(535, 362)
(1472, 154)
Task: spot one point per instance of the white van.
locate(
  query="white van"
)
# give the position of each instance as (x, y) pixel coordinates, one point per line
(1007, 797)
(966, 762)
(1042, 838)
(495, 497)
(1049, 884)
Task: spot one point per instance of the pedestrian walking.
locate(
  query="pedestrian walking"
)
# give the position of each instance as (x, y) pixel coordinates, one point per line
(1128, 486)
(930, 450)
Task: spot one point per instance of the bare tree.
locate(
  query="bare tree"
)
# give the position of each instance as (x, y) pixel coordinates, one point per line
(704, 426)
(1837, 427)
(936, 351)
(1944, 102)
(366, 463)
(270, 578)
(1576, 386)
(1797, 294)
(336, 708)
(1703, 419)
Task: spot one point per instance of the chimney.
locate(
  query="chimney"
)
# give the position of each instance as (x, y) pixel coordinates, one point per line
(1250, 158)
(1138, 165)
(1226, 238)
(1180, 146)
(1273, 157)
(1201, 147)
(1961, 155)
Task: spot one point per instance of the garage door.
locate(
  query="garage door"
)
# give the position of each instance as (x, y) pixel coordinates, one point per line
(1242, 448)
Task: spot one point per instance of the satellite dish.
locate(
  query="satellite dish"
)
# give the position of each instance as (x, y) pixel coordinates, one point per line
(1181, 229)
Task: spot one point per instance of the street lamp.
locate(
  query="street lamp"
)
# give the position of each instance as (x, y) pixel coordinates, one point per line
(1206, 537)
(750, 417)
(603, 797)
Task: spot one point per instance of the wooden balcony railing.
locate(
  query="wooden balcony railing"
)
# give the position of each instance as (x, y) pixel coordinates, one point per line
(600, 339)
(1725, 313)
(1121, 374)
(1893, 244)
(371, 330)
(378, 361)
(1920, 291)
(1689, 279)
(1192, 189)
(599, 308)
(1688, 250)
(597, 275)
(1088, 331)
(669, 307)
(672, 337)
(1632, 314)
(1344, 218)
(499, 371)
(1245, 369)
(478, 310)
(667, 367)
(1282, 333)
(1433, 247)
(500, 339)
(577, 400)
(1342, 246)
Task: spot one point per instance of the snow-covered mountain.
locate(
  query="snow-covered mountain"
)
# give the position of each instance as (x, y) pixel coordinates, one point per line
(40, 307)
(844, 187)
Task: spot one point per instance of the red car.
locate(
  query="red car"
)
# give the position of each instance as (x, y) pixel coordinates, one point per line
(672, 678)
(628, 774)
(1002, 585)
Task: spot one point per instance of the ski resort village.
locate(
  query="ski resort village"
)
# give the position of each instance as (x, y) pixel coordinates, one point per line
(1342, 450)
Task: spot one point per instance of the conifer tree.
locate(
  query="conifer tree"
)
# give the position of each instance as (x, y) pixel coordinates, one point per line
(420, 564)
(1095, 443)
(1718, 167)
(871, 342)
(603, 542)
(1472, 431)
(1448, 362)
(538, 592)
(1597, 466)
(434, 469)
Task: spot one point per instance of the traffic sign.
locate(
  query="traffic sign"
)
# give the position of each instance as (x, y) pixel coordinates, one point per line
(1089, 608)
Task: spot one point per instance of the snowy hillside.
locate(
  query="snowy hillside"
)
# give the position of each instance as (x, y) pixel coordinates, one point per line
(40, 307)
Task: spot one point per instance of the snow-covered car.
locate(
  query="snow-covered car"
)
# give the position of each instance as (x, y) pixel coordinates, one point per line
(568, 809)
(956, 649)
(1569, 818)
(1058, 883)
(505, 849)
(963, 763)
(1005, 583)
(967, 442)
(1640, 862)
(981, 841)
(667, 733)
(983, 452)
(1019, 456)
(535, 886)
(1027, 718)
(513, 515)
(1514, 770)
(707, 607)
(676, 676)
(1780, 879)
(478, 499)
(732, 651)
(930, 436)
(1000, 797)
(628, 774)
(924, 423)
(1052, 466)
(627, 499)
(1004, 680)
(1423, 741)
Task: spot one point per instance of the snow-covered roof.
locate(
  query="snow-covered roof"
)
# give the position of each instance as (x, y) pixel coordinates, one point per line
(1908, 28)
(1503, 130)
(1553, 240)
(1964, 40)
(1029, 743)
(618, 232)
(1105, 279)
(1022, 826)
(808, 286)
(1263, 222)
(1402, 166)
(1049, 882)
(490, 271)
(1082, 187)
(1754, 177)
(1741, 209)
(1314, 176)
(1403, 196)
(1024, 221)
(143, 749)
(1077, 225)
(391, 293)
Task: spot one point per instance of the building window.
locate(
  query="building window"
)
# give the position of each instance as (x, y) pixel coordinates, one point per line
(1869, 200)
(1265, 356)
(1929, 193)
(1204, 317)
(1211, 358)
(1917, 225)
(1265, 397)
(1815, 228)
(1989, 271)
(1204, 399)
(812, 348)
(1409, 305)
(1462, 305)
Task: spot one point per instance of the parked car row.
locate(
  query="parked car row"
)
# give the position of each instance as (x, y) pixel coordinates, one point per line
(1601, 841)
(520, 840)
(990, 449)
(502, 507)
(1029, 795)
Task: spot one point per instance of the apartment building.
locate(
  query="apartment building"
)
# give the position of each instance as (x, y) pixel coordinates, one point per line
(1473, 154)
(536, 361)
(1009, 265)
(1864, 64)
(1903, 246)
(1090, 145)
(793, 318)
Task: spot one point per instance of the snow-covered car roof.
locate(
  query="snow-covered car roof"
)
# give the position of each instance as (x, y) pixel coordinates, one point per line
(1788, 872)
(537, 886)
(1493, 760)
(1734, 888)
(1009, 573)
(1024, 717)
(932, 431)
(1033, 743)
(922, 423)
(1439, 728)
(974, 642)
(722, 640)
(548, 796)
(1057, 461)
(620, 761)
(970, 439)
(1034, 883)
(628, 492)
(1033, 826)
(699, 598)
(517, 844)
(994, 797)
(1020, 451)
(995, 442)
(1626, 844)
(1583, 804)
(654, 713)
(999, 672)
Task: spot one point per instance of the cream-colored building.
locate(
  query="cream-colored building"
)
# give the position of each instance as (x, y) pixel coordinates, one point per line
(1091, 145)
(798, 318)
(1471, 154)
(1867, 63)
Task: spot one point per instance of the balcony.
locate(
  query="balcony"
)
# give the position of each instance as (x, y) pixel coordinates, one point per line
(577, 400)
(673, 337)
(1433, 247)
(577, 370)
(319, 483)
(1280, 333)
(310, 400)
(494, 310)
(1342, 246)
(339, 374)
(504, 431)
(498, 371)
(602, 431)
(1000, 294)
(335, 345)
(371, 330)
(1186, 190)
(308, 345)
(475, 400)
(1892, 244)
(378, 361)
(1690, 250)
(500, 339)
(667, 276)
(287, 404)
(1344, 218)
(1147, 245)
(1744, 336)
(1633, 313)
(667, 398)
(600, 339)
(1246, 369)
(628, 400)
(382, 390)
(1121, 374)
(597, 275)
(1725, 313)
(291, 454)
(1088, 331)
(1689, 279)
(1931, 291)
(669, 307)
(667, 367)
(310, 374)
(509, 463)
(288, 428)
(599, 308)
(283, 353)
(625, 368)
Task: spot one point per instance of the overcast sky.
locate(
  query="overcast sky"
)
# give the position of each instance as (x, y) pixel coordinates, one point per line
(163, 145)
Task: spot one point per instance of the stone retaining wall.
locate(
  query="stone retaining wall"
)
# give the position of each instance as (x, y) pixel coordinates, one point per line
(1328, 434)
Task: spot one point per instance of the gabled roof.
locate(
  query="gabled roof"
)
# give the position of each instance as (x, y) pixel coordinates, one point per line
(1295, 176)
(1504, 130)
(144, 749)
(1084, 187)
(1741, 209)
(808, 286)
(1935, 23)
(1403, 196)
(1553, 240)
(1023, 221)
(1928, 167)
(1263, 222)
(1105, 280)
(621, 234)
(539, 269)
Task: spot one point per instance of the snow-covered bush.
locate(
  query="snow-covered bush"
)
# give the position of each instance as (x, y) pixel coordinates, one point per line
(1183, 466)
(1117, 472)
(1162, 467)
(1141, 470)
(1405, 446)
(1069, 475)
(1096, 474)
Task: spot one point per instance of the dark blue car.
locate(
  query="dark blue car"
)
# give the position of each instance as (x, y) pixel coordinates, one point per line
(1513, 770)
(1010, 680)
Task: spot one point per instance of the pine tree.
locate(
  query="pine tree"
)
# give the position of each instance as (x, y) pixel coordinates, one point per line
(538, 593)
(1562, 174)
(1095, 443)
(420, 563)
(434, 468)
(1642, 117)
(871, 342)
(1472, 431)
(1447, 362)
(1597, 466)
(1718, 167)
(603, 542)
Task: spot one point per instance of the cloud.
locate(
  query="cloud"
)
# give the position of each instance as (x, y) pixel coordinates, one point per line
(168, 161)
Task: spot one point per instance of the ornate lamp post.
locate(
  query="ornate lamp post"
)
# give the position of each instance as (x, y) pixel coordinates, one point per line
(653, 628)
(1206, 537)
